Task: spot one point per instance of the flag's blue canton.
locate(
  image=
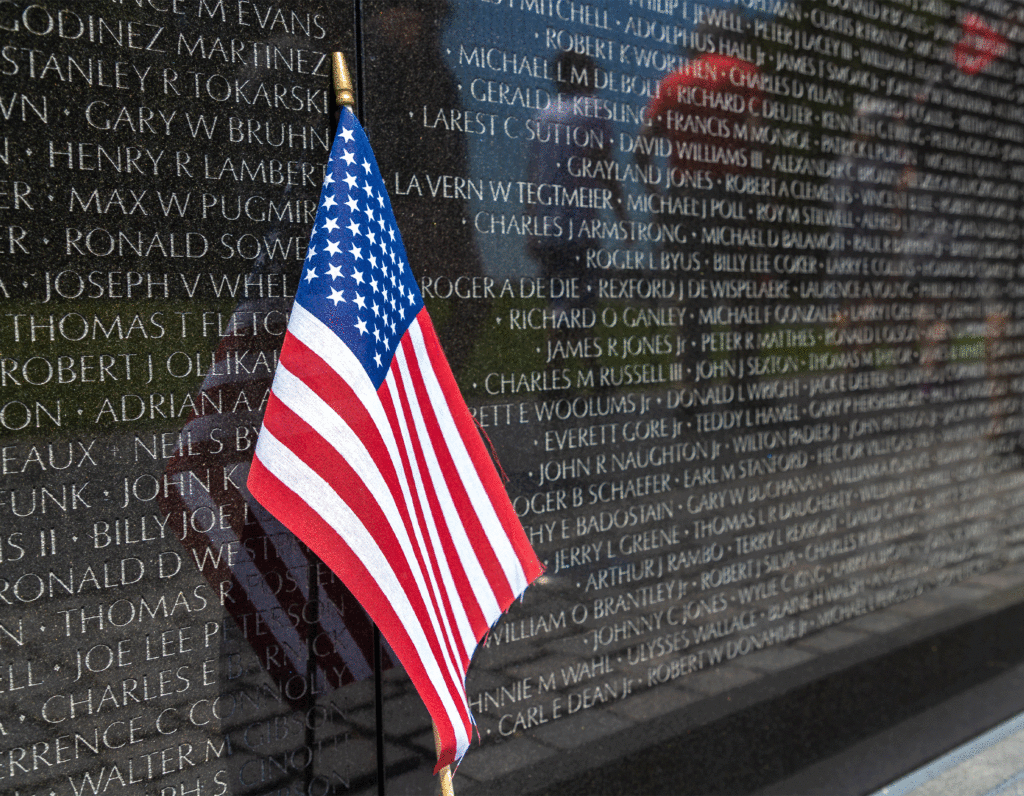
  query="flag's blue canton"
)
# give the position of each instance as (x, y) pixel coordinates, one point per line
(356, 278)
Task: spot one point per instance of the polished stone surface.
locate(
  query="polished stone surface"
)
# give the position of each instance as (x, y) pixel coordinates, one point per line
(747, 349)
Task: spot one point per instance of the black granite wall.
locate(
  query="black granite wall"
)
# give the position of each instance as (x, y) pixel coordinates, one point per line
(747, 346)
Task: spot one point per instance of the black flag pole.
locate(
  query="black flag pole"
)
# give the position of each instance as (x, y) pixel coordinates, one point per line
(345, 96)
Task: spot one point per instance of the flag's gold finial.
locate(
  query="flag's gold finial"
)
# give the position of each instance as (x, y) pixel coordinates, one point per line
(344, 91)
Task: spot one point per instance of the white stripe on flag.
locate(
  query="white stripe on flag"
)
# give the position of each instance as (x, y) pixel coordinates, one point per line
(484, 509)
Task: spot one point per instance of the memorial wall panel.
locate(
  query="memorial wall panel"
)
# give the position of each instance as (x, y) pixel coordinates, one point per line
(162, 161)
(733, 291)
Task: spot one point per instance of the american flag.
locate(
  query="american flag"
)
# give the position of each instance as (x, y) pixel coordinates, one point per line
(370, 455)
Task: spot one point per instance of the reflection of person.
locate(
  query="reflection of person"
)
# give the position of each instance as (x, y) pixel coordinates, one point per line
(404, 73)
(563, 202)
(698, 111)
(705, 102)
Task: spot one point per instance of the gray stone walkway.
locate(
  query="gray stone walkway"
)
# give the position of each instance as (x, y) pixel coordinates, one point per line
(990, 765)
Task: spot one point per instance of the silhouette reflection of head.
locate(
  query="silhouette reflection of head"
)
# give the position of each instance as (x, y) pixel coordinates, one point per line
(407, 80)
(574, 73)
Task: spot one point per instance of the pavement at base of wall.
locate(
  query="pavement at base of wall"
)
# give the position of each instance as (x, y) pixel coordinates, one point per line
(990, 765)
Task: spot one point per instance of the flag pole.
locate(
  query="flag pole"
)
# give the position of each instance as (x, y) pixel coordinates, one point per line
(344, 95)
(447, 789)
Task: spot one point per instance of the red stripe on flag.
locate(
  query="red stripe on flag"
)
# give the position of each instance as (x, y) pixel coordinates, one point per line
(470, 434)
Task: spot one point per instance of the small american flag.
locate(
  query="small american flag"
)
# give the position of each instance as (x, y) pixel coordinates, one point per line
(369, 454)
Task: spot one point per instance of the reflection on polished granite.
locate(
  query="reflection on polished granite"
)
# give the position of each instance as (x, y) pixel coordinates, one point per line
(849, 274)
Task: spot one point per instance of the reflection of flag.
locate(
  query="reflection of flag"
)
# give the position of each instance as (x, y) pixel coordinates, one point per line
(369, 454)
(259, 569)
(979, 46)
